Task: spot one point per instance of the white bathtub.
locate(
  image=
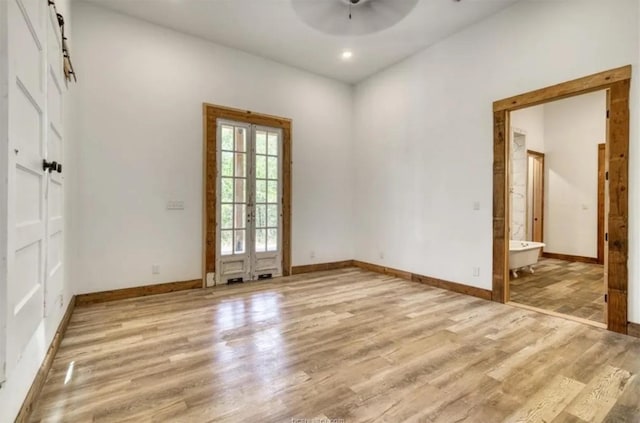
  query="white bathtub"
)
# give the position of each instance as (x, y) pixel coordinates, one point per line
(523, 254)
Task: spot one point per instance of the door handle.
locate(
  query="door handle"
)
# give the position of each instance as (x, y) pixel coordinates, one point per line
(49, 166)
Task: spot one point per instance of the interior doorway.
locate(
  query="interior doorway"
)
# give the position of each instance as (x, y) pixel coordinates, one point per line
(535, 196)
(554, 266)
(616, 82)
(247, 195)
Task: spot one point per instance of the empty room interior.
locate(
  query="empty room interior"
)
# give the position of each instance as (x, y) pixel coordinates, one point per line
(319, 211)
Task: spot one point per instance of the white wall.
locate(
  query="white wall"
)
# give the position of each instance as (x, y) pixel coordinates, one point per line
(531, 122)
(23, 363)
(424, 132)
(573, 129)
(137, 125)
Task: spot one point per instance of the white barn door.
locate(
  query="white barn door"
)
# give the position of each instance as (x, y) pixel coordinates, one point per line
(26, 239)
(54, 191)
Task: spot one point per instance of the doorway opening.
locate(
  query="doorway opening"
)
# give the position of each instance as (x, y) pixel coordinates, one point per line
(247, 170)
(576, 208)
(554, 267)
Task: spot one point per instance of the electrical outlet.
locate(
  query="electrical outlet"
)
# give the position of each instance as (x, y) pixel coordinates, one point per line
(155, 269)
(312, 254)
(476, 272)
(61, 298)
(476, 205)
(381, 255)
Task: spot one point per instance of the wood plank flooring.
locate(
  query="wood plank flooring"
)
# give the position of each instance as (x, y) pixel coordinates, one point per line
(572, 288)
(345, 344)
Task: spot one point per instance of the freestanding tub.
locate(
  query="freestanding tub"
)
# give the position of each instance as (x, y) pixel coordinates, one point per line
(523, 254)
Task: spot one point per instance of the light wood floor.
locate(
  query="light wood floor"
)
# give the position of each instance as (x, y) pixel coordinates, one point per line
(345, 344)
(572, 288)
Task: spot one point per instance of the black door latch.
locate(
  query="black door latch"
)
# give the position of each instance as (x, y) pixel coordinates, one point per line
(51, 166)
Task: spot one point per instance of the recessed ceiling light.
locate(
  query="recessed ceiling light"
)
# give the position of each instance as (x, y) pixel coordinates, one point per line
(347, 54)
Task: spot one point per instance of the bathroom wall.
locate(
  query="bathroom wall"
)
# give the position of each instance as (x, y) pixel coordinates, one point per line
(530, 121)
(573, 128)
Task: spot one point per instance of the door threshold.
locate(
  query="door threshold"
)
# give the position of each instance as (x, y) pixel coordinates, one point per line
(556, 314)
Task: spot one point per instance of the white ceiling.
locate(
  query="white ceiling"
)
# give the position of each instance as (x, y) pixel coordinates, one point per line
(270, 28)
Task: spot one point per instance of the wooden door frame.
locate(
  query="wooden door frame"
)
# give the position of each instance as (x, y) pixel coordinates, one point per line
(602, 159)
(541, 157)
(211, 114)
(617, 82)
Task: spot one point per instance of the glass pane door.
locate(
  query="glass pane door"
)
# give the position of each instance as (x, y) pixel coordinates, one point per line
(249, 200)
(267, 259)
(233, 205)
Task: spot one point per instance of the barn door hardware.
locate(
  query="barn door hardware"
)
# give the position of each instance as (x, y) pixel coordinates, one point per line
(66, 56)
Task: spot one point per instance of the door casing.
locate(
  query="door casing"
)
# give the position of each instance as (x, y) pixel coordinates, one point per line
(617, 82)
(211, 114)
(601, 197)
(539, 199)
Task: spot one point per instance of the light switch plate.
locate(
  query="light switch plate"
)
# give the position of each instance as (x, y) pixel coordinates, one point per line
(175, 205)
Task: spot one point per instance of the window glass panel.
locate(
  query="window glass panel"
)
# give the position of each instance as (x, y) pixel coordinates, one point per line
(272, 215)
(227, 190)
(241, 164)
(226, 217)
(240, 195)
(241, 139)
(260, 239)
(227, 164)
(272, 195)
(261, 167)
(227, 137)
(239, 216)
(261, 218)
(272, 239)
(226, 244)
(239, 242)
(261, 142)
(272, 147)
(272, 167)
(261, 191)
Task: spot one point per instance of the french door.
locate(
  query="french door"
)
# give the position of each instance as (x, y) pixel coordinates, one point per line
(248, 202)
